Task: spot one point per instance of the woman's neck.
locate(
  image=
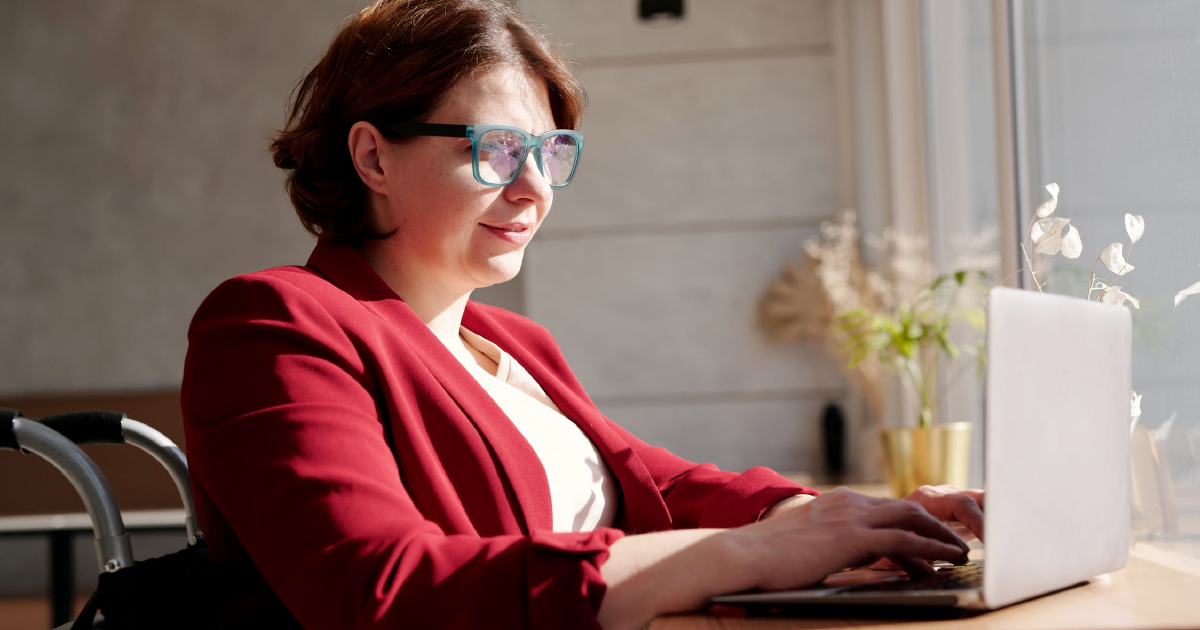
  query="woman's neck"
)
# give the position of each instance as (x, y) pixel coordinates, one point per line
(440, 307)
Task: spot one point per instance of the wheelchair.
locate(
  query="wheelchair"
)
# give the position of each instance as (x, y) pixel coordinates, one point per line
(172, 591)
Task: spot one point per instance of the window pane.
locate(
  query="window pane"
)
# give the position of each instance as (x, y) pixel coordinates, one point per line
(1111, 112)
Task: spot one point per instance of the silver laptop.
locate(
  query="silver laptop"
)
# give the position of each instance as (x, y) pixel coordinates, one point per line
(1056, 464)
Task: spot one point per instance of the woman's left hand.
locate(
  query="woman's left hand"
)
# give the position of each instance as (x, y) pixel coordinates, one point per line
(961, 509)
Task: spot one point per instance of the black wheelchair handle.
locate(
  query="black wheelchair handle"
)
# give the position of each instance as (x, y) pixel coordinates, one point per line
(88, 427)
(29, 436)
(8, 437)
(111, 427)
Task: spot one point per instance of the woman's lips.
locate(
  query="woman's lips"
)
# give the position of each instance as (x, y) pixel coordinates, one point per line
(515, 233)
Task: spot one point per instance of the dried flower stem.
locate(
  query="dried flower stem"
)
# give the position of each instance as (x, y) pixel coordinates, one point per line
(1029, 266)
(1092, 279)
(1028, 260)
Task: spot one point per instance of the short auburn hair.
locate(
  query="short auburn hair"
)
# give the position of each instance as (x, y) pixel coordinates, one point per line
(400, 57)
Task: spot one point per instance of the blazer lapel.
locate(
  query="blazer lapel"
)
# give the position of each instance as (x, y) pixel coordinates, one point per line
(645, 509)
(516, 460)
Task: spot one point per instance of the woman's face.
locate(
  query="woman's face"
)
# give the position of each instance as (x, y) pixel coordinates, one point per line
(452, 230)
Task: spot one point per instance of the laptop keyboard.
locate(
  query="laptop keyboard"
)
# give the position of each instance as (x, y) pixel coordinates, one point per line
(947, 577)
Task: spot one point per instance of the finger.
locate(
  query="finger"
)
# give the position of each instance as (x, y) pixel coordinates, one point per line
(885, 564)
(951, 503)
(962, 531)
(966, 510)
(977, 495)
(932, 492)
(895, 543)
(913, 517)
(866, 562)
(915, 567)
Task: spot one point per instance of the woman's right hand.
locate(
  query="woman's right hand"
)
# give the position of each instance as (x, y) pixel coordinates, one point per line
(678, 570)
(841, 529)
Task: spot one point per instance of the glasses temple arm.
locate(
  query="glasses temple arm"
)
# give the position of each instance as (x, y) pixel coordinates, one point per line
(425, 129)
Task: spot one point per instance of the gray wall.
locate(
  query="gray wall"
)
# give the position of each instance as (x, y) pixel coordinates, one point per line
(710, 159)
(134, 178)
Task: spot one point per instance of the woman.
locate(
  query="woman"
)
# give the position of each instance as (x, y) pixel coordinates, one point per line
(370, 449)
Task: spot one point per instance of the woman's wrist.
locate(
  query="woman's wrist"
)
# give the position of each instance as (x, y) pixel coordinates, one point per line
(735, 554)
(677, 571)
(668, 572)
(784, 505)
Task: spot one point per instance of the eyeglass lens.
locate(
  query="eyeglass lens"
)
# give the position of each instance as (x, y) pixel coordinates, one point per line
(559, 154)
(502, 151)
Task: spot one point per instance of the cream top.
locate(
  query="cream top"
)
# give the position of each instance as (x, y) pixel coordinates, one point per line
(583, 493)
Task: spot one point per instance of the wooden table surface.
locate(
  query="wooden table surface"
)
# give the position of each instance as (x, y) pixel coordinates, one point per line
(1142, 595)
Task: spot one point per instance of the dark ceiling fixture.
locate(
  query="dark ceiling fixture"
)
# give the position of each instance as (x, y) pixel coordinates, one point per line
(659, 9)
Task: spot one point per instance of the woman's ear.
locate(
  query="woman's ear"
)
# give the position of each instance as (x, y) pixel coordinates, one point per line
(365, 143)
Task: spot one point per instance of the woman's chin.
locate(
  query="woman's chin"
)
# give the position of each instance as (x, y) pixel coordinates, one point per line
(499, 269)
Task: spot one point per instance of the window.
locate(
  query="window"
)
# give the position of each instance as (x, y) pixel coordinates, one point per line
(1103, 99)
(1108, 106)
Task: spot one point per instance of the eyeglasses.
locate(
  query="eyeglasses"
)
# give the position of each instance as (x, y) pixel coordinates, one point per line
(498, 152)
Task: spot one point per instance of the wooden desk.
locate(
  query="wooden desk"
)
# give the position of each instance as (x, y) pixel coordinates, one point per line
(1142, 595)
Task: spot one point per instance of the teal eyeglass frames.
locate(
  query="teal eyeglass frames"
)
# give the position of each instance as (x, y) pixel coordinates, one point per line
(498, 152)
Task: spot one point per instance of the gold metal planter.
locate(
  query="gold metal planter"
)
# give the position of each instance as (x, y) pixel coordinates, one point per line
(935, 456)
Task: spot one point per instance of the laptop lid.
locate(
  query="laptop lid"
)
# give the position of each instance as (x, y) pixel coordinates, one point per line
(1056, 463)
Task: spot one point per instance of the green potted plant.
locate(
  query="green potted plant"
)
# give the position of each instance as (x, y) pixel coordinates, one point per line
(914, 338)
(903, 323)
(879, 324)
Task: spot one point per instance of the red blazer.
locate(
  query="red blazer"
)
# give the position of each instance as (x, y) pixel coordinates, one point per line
(344, 461)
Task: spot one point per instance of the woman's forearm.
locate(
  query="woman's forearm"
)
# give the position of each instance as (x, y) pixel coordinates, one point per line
(797, 544)
(663, 572)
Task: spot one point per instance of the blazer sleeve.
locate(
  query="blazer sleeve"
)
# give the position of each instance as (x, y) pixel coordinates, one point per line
(284, 436)
(702, 495)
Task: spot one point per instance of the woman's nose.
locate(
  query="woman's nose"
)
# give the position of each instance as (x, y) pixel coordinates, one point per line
(530, 183)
